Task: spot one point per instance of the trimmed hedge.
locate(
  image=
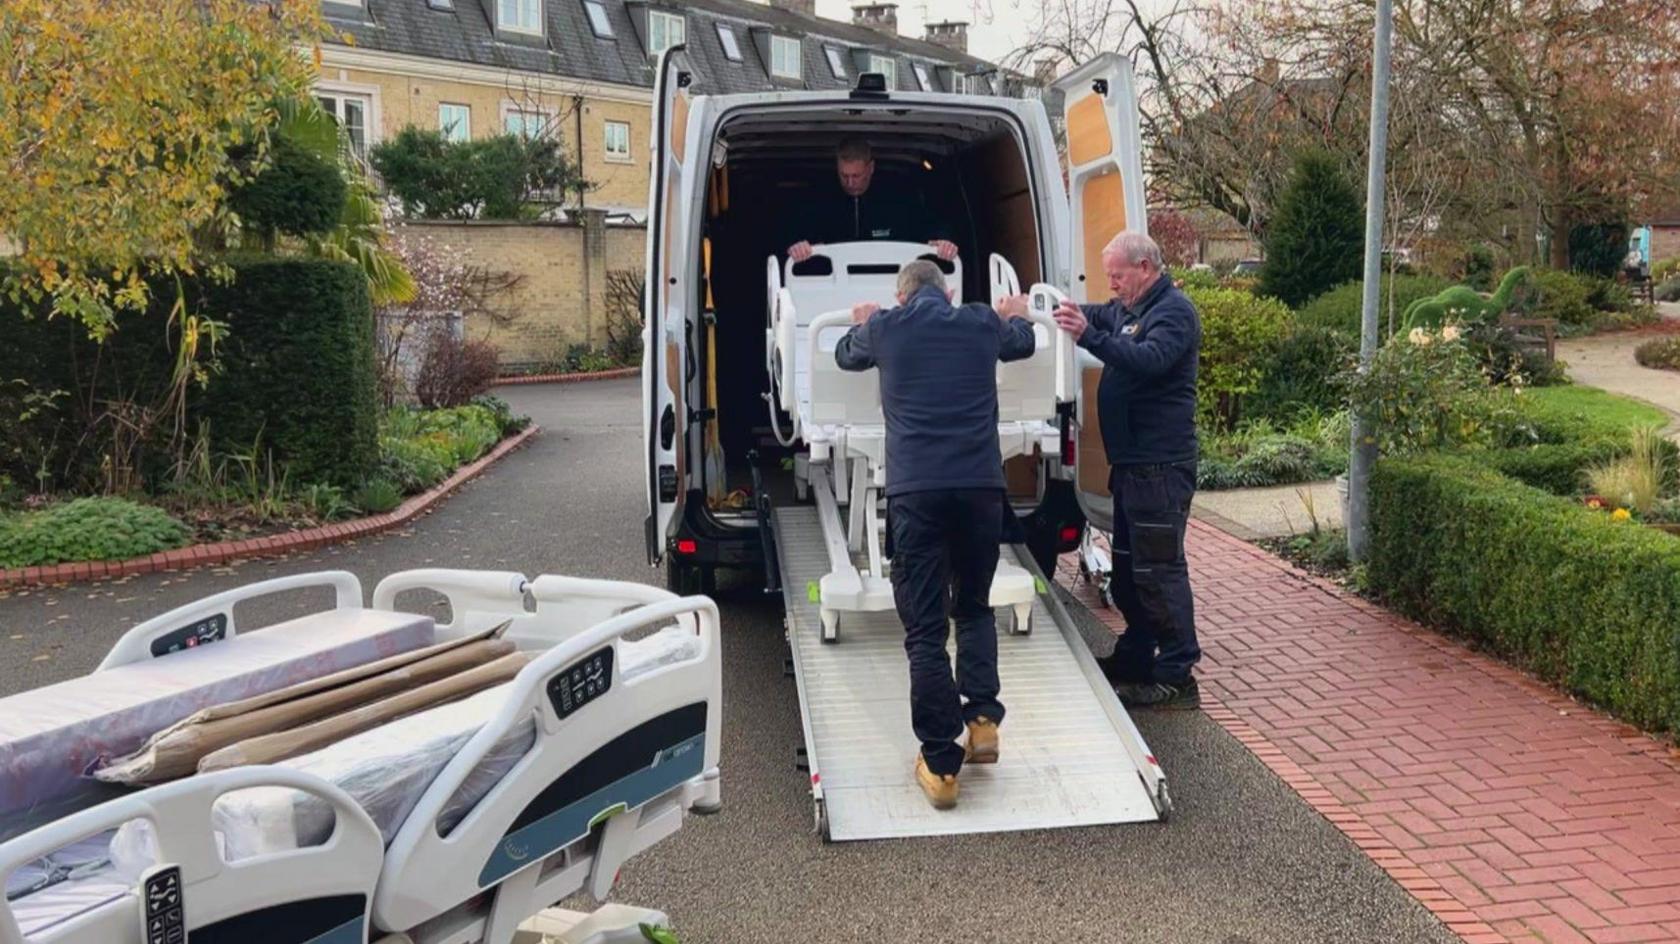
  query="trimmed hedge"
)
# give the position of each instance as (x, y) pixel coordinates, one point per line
(1341, 308)
(1559, 468)
(1581, 600)
(297, 367)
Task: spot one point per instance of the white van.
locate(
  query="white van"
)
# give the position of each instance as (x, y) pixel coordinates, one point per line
(731, 170)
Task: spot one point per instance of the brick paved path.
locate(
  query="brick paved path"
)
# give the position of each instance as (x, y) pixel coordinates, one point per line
(1511, 812)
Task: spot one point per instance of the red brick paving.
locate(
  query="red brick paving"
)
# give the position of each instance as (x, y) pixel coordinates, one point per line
(1511, 812)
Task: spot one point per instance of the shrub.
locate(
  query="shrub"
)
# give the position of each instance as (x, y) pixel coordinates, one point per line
(1239, 333)
(485, 178)
(1301, 374)
(1478, 268)
(1259, 454)
(1635, 480)
(453, 371)
(419, 449)
(624, 315)
(502, 414)
(327, 502)
(1425, 391)
(378, 496)
(1597, 249)
(1316, 234)
(298, 194)
(1581, 600)
(1507, 361)
(1661, 353)
(87, 529)
(1560, 295)
(1559, 468)
(1663, 268)
(1668, 291)
(1340, 308)
(1606, 294)
(1195, 278)
(298, 371)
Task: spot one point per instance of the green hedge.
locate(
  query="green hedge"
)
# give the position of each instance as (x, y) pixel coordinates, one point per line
(1559, 468)
(1340, 309)
(297, 367)
(1583, 601)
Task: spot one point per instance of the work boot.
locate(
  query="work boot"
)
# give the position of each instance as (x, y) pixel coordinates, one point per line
(1121, 671)
(982, 745)
(1183, 696)
(941, 789)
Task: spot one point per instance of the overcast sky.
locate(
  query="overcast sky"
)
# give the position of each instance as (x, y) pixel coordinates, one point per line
(995, 26)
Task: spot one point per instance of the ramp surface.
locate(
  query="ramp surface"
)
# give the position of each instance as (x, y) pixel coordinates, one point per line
(1070, 755)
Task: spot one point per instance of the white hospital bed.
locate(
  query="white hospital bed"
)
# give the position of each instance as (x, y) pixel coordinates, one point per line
(837, 414)
(550, 782)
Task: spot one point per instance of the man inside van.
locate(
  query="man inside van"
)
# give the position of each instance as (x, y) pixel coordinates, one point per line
(1148, 338)
(857, 212)
(945, 494)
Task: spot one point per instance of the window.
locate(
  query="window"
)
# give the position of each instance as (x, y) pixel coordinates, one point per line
(886, 67)
(455, 121)
(784, 57)
(526, 124)
(664, 31)
(618, 140)
(522, 16)
(351, 113)
(598, 18)
(835, 64)
(731, 48)
(444, 5)
(922, 80)
(977, 85)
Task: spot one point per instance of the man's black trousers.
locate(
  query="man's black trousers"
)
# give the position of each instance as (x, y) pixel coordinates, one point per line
(944, 554)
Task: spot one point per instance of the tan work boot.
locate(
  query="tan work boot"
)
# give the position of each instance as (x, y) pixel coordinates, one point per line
(941, 790)
(982, 741)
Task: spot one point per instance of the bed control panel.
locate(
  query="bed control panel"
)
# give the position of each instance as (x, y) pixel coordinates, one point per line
(203, 632)
(160, 901)
(581, 682)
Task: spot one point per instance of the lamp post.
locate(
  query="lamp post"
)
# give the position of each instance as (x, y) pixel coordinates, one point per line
(1364, 446)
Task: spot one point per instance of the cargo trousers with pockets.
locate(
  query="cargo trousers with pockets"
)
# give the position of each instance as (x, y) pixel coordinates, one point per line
(1150, 584)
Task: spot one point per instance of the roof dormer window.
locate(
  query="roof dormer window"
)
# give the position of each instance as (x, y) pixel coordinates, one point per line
(599, 23)
(519, 16)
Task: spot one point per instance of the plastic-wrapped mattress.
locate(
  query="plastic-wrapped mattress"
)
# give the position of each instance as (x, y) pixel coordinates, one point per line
(385, 770)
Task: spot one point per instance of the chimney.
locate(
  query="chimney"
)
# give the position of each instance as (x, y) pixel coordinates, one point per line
(950, 34)
(803, 7)
(881, 17)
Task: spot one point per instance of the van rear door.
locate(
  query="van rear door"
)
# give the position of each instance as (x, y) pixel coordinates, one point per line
(1105, 196)
(665, 338)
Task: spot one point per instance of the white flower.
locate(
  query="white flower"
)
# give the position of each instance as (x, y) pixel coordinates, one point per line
(1450, 333)
(1419, 337)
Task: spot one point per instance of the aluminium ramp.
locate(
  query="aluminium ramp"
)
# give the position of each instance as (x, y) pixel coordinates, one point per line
(1071, 755)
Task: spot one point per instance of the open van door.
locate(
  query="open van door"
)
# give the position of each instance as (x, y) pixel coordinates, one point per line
(665, 336)
(1105, 196)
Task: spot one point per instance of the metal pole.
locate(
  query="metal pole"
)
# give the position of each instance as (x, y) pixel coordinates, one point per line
(1364, 446)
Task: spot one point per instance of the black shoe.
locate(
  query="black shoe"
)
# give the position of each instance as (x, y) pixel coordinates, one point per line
(1119, 672)
(1160, 695)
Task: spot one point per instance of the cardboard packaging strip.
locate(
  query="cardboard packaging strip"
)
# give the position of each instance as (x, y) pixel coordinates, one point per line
(175, 751)
(270, 748)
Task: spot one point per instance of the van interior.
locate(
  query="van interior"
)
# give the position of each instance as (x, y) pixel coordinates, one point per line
(969, 167)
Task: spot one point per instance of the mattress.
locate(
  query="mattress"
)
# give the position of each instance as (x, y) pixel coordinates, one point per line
(385, 770)
(50, 737)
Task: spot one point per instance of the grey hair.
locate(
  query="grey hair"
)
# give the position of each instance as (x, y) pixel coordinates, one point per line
(1133, 248)
(918, 274)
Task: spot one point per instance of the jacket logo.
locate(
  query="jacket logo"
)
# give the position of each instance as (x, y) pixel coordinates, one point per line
(880, 233)
(1129, 329)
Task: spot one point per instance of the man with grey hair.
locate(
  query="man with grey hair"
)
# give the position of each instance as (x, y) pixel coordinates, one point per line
(1148, 338)
(945, 504)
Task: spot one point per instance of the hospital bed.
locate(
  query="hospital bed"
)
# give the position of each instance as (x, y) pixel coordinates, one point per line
(837, 415)
(459, 824)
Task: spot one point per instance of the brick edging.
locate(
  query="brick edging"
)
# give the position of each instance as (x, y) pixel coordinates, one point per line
(275, 545)
(1405, 873)
(579, 377)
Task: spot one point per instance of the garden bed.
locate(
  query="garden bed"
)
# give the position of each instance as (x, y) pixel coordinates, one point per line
(242, 500)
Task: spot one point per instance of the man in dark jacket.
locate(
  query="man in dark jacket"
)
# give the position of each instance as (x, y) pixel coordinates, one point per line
(858, 212)
(945, 494)
(1148, 339)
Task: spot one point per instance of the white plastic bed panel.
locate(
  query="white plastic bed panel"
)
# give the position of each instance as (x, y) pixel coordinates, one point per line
(321, 892)
(609, 741)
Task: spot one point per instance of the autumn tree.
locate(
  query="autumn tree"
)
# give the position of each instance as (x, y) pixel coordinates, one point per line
(120, 119)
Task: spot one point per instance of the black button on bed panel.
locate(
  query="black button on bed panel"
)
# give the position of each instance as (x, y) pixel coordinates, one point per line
(208, 630)
(581, 682)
